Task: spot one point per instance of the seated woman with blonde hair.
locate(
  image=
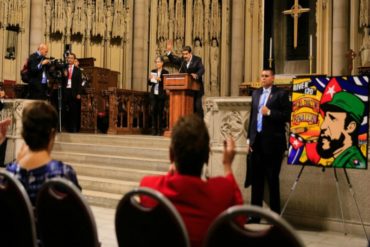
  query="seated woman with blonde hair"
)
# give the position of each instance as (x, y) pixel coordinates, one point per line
(34, 164)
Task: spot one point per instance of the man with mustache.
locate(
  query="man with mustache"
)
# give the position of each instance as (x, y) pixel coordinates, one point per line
(192, 65)
(339, 131)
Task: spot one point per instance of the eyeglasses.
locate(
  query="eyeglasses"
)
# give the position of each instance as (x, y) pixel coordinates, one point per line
(265, 75)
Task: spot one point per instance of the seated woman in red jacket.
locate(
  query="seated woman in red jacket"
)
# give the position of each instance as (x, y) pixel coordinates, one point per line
(198, 201)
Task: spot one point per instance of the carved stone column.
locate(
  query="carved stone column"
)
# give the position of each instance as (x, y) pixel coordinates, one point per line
(354, 37)
(140, 47)
(188, 22)
(364, 12)
(225, 49)
(13, 109)
(128, 47)
(340, 36)
(237, 46)
(228, 116)
(323, 36)
(36, 24)
(253, 50)
(152, 32)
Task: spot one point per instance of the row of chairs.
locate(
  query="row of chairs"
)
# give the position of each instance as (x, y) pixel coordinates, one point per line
(65, 219)
(140, 226)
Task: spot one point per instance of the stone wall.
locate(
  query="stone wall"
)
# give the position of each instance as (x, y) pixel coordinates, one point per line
(13, 110)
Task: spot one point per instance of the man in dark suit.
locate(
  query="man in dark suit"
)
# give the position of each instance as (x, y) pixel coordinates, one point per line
(270, 111)
(72, 95)
(192, 65)
(37, 74)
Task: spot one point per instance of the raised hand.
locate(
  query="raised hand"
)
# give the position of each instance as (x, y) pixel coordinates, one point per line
(229, 153)
(4, 124)
(169, 46)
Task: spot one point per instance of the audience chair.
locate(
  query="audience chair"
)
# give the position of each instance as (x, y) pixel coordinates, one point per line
(157, 225)
(64, 217)
(225, 231)
(17, 223)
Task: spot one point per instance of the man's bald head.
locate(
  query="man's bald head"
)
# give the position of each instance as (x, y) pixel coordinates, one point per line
(43, 49)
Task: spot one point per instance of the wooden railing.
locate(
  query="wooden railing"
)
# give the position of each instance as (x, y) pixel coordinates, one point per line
(129, 112)
(89, 111)
(122, 111)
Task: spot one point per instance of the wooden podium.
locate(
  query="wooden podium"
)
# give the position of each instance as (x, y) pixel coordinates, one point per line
(181, 87)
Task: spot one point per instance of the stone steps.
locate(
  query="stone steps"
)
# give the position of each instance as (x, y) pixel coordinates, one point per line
(107, 185)
(108, 166)
(112, 160)
(125, 174)
(115, 140)
(102, 199)
(114, 150)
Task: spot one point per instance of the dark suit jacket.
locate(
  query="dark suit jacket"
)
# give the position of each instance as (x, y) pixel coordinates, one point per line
(35, 73)
(195, 66)
(160, 83)
(76, 81)
(273, 126)
(35, 76)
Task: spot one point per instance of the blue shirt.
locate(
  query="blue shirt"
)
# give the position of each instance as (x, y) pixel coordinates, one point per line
(32, 180)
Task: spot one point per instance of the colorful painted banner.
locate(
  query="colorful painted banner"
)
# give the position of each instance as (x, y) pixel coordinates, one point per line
(329, 122)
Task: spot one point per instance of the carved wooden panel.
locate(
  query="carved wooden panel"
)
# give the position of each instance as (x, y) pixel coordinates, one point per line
(129, 112)
(88, 112)
(95, 101)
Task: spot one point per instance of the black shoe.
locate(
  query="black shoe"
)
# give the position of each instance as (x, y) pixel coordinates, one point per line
(160, 132)
(253, 220)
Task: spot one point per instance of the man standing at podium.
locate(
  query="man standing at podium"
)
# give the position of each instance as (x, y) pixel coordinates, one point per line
(192, 65)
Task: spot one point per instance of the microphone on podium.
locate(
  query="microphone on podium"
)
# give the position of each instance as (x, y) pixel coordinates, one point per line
(181, 66)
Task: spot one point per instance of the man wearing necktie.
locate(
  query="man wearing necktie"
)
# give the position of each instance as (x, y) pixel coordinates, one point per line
(191, 64)
(72, 95)
(270, 111)
(38, 81)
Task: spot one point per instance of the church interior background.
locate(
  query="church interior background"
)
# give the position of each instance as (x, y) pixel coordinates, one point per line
(235, 38)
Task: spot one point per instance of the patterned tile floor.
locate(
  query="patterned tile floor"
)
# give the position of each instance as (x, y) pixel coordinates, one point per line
(105, 222)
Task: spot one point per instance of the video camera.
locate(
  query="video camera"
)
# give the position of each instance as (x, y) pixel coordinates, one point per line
(56, 68)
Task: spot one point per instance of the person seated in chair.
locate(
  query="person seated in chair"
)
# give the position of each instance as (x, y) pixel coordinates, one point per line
(198, 201)
(4, 124)
(34, 164)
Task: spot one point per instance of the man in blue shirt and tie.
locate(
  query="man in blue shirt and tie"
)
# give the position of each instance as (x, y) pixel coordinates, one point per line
(38, 82)
(270, 111)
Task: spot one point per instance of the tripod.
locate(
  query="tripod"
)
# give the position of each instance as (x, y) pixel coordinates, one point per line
(338, 195)
(55, 98)
(60, 106)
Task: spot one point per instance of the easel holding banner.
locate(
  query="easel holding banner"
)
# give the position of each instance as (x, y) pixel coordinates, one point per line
(350, 187)
(332, 111)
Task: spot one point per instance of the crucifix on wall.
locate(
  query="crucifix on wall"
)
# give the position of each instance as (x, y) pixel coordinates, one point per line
(295, 11)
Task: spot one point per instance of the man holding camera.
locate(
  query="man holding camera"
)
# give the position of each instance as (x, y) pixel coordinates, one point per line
(37, 73)
(72, 95)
